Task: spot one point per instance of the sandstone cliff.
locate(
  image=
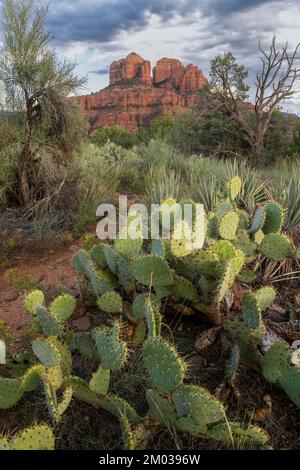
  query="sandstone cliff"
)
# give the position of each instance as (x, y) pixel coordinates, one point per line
(133, 98)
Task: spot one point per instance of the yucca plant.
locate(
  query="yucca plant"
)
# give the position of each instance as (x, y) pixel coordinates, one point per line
(291, 201)
(255, 189)
(207, 191)
(161, 184)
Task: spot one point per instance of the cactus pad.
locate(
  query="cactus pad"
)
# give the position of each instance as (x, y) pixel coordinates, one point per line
(158, 248)
(160, 408)
(181, 241)
(111, 258)
(100, 381)
(34, 300)
(235, 186)
(32, 378)
(129, 247)
(140, 303)
(247, 276)
(276, 247)
(112, 350)
(196, 409)
(164, 366)
(98, 256)
(226, 432)
(62, 307)
(46, 352)
(81, 390)
(258, 220)
(232, 364)
(202, 262)
(274, 218)
(228, 226)
(226, 279)
(150, 319)
(10, 392)
(251, 311)
(125, 276)
(128, 438)
(276, 361)
(184, 289)
(265, 297)
(244, 243)
(85, 345)
(290, 382)
(152, 270)
(110, 302)
(119, 407)
(35, 438)
(48, 323)
(224, 250)
(84, 265)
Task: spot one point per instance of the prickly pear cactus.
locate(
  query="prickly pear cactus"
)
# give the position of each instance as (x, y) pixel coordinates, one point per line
(152, 271)
(100, 381)
(38, 437)
(164, 366)
(273, 218)
(34, 300)
(196, 409)
(111, 302)
(111, 349)
(235, 186)
(276, 247)
(63, 307)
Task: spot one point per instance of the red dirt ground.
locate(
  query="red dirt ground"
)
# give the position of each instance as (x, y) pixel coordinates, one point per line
(52, 269)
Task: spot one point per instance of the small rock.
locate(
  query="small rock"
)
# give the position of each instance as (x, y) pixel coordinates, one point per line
(11, 296)
(82, 324)
(45, 286)
(74, 248)
(61, 261)
(75, 292)
(82, 311)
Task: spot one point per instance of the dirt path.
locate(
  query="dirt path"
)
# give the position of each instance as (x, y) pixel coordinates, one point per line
(51, 271)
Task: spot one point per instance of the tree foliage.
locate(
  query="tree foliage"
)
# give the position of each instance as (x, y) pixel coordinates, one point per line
(32, 73)
(274, 83)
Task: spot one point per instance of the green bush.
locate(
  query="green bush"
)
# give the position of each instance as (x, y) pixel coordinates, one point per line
(115, 134)
(97, 180)
(195, 132)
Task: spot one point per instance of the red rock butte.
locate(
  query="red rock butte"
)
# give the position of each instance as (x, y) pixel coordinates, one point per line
(134, 97)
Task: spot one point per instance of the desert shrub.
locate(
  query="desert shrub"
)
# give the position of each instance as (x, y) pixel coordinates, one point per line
(62, 123)
(9, 157)
(115, 134)
(160, 128)
(256, 188)
(160, 184)
(97, 180)
(198, 132)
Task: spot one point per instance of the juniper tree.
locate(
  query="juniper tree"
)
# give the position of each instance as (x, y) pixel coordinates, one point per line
(31, 72)
(275, 83)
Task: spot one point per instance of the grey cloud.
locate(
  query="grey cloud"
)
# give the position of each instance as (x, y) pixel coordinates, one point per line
(101, 22)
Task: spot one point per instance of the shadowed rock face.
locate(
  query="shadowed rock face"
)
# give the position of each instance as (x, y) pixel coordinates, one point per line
(133, 98)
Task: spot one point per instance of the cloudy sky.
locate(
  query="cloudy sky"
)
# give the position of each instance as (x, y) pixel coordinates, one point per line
(96, 32)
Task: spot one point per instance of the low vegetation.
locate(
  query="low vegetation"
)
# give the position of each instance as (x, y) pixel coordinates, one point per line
(152, 307)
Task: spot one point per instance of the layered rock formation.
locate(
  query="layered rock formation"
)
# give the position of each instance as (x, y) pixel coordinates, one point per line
(133, 99)
(133, 66)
